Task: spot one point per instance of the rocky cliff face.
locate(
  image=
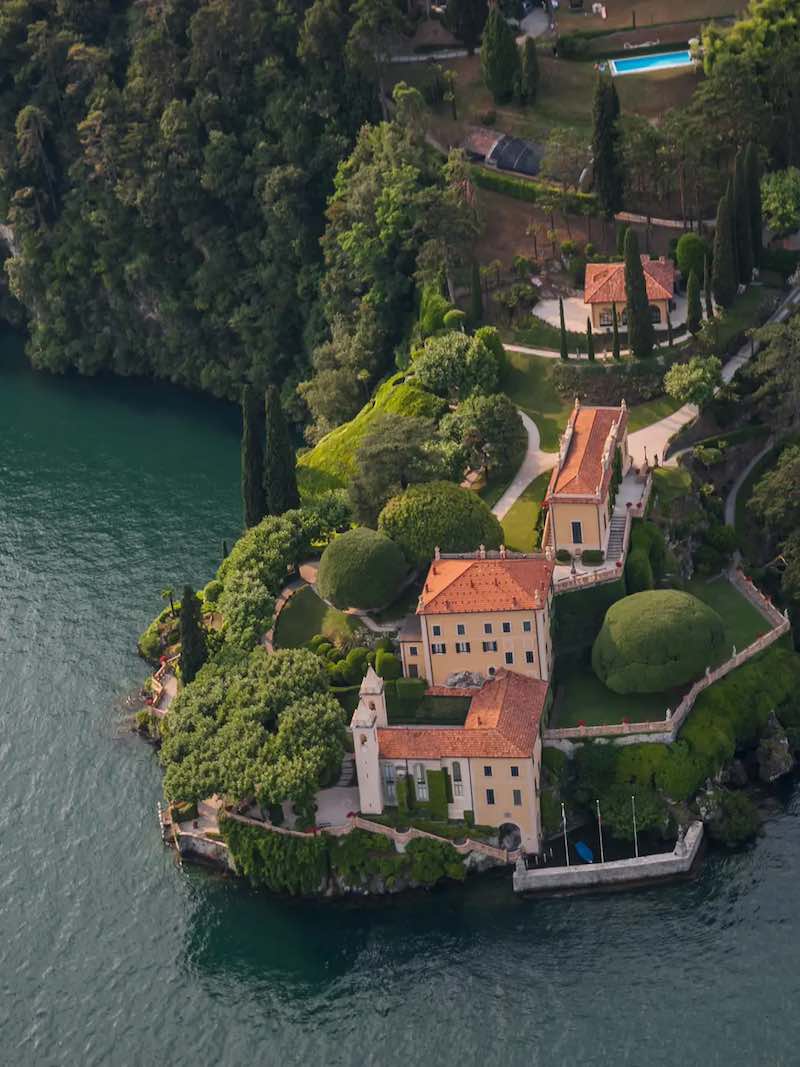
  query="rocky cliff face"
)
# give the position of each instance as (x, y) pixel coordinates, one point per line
(774, 754)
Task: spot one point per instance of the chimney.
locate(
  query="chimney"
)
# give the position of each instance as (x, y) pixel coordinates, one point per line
(436, 553)
(502, 551)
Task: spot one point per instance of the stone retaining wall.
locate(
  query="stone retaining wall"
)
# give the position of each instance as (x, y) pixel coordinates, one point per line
(615, 872)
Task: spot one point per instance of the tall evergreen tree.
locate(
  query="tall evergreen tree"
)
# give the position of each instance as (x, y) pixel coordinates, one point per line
(743, 233)
(475, 295)
(564, 350)
(707, 288)
(694, 309)
(194, 651)
(608, 179)
(499, 57)
(280, 479)
(753, 177)
(253, 430)
(589, 340)
(466, 19)
(723, 275)
(529, 72)
(640, 326)
(615, 349)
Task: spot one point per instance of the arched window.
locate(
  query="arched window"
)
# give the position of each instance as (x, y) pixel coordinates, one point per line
(655, 313)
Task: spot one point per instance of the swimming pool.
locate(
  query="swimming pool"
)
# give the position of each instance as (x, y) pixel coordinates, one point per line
(642, 64)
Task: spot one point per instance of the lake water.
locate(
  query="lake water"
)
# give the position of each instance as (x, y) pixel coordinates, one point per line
(111, 954)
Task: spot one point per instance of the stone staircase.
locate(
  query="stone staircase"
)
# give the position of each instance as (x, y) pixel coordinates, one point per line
(616, 538)
(347, 775)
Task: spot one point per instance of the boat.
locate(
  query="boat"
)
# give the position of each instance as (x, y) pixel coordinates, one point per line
(584, 852)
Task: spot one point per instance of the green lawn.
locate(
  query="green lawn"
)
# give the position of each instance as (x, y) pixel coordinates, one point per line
(641, 415)
(743, 622)
(306, 615)
(541, 334)
(530, 386)
(519, 525)
(583, 697)
(430, 711)
(671, 483)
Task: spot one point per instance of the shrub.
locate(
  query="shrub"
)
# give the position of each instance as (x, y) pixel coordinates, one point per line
(551, 811)
(356, 665)
(411, 689)
(638, 571)
(456, 365)
(491, 338)
(454, 318)
(532, 191)
(437, 793)
(639, 764)
(361, 569)
(149, 643)
(563, 555)
(691, 252)
(433, 860)
(555, 763)
(656, 640)
(595, 771)
(737, 820)
(592, 556)
(388, 665)
(212, 591)
(682, 772)
(432, 310)
(439, 514)
(651, 811)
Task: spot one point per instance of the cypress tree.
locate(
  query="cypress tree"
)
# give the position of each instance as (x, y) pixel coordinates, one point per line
(193, 639)
(253, 430)
(589, 340)
(723, 275)
(742, 221)
(280, 480)
(608, 180)
(466, 19)
(475, 295)
(640, 325)
(615, 333)
(529, 72)
(753, 177)
(564, 351)
(499, 57)
(694, 309)
(707, 289)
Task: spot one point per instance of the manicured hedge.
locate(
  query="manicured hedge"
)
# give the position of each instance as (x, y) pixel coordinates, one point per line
(411, 689)
(657, 640)
(592, 556)
(361, 569)
(525, 189)
(578, 615)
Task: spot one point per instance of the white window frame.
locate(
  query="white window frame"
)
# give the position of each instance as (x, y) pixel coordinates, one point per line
(420, 782)
(579, 524)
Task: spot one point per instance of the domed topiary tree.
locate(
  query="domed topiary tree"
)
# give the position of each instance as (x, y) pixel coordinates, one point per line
(656, 640)
(361, 569)
(439, 514)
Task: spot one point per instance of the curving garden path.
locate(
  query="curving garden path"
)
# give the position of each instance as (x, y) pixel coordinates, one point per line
(533, 464)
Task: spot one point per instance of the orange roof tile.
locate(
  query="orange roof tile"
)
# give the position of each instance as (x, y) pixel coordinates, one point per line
(605, 282)
(582, 470)
(503, 722)
(481, 585)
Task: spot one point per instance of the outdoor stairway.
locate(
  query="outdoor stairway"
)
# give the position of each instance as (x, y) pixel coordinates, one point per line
(616, 537)
(347, 775)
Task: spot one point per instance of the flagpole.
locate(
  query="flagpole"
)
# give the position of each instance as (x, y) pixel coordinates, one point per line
(635, 837)
(564, 825)
(600, 832)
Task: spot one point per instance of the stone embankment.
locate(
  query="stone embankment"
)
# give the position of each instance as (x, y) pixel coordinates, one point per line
(614, 873)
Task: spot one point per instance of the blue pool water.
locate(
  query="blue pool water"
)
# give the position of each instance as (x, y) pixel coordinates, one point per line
(661, 61)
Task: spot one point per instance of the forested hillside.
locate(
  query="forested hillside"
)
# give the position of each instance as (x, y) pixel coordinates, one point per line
(165, 166)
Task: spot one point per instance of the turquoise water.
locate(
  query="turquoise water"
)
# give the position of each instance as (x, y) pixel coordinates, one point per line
(639, 64)
(112, 955)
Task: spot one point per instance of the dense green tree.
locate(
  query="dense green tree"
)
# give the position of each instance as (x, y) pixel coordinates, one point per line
(466, 19)
(743, 234)
(640, 326)
(194, 650)
(562, 329)
(777, 372)
(499, 57)
(280, 480)
(694, 309)
(615, 348)
(589, 340)
(439, 515)
(608, 175)
(776, 496)
(529, 72)
(780, 197)
(709, 302)
(455, 365)
(753, 172)
(490, 431)
(361, 569)
(253, 436)
(475, 295)
(723, 278)
(694, 382)
(691, 253)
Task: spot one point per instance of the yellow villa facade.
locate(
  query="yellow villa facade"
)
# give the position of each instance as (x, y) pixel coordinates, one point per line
(592, 458)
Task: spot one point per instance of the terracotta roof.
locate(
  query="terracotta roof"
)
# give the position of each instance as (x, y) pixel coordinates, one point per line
(582, 470)
(503, 722)
(481, 585)
(605, 282)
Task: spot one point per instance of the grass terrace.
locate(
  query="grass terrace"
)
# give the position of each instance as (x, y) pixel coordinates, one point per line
(530, 386)
(430, 711)
(519, 525)
(306, 615)
(743, 621)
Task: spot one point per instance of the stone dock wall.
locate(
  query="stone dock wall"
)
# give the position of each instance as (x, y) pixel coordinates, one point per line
(614, 873)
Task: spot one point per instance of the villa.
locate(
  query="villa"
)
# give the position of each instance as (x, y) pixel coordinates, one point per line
(481, 612)
(604, 286)
(489, 767)
(592, 462)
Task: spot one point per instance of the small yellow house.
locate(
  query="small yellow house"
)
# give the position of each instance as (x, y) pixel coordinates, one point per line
(492, 763)
(604, 286)
(481, 613)
(579, 496)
